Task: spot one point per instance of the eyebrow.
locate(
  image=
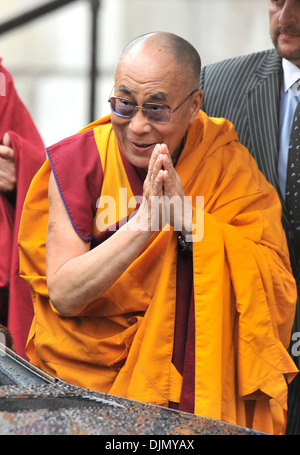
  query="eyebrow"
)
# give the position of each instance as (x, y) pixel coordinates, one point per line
(124, 90)
(159, 96)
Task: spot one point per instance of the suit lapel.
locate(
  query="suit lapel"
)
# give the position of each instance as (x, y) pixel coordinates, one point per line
(263, 110)
(263, 107)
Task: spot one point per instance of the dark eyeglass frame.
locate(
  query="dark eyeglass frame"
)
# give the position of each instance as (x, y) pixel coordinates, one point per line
(163, 107)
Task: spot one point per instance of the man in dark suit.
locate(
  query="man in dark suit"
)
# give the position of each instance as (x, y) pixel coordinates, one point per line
(257, 92)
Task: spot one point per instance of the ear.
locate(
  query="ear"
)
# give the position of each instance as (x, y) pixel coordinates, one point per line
(196, 104)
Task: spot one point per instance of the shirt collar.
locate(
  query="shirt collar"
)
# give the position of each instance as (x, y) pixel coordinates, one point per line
(291, 73)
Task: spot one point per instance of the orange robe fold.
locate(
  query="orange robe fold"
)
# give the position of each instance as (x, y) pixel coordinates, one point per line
(244, 291)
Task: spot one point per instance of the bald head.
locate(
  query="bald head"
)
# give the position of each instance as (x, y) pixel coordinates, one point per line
(185, 55)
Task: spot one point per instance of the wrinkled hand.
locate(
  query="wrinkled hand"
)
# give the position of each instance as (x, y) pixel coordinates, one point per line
(164, 197)
(7, 166)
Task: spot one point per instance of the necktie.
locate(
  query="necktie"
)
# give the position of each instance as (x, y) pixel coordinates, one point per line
(293, 175)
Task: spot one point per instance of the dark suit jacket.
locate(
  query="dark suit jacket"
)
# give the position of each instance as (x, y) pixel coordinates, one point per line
(246, 90)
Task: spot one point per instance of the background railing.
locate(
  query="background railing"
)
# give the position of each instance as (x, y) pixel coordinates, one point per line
(40, 11)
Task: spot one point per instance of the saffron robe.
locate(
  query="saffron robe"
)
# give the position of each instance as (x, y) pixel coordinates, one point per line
(243, 288)
(16, 306)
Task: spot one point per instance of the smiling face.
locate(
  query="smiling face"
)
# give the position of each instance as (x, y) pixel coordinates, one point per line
(149, 74)
(285, 28)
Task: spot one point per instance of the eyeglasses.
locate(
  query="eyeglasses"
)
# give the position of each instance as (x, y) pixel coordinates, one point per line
(157, 113)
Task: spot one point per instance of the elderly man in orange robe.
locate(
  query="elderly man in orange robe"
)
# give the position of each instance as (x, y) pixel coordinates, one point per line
(140, 290)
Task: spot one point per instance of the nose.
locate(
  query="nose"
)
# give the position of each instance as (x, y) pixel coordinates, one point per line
(139, 123)
(288, 14)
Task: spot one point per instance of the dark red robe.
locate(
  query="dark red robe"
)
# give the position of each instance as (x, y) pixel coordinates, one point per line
(16, 309)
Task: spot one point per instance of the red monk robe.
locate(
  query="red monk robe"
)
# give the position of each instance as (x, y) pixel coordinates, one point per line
(239, 302)
(29, 154)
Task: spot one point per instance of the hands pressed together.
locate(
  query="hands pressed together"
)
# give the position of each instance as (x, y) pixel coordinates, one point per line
(164, 199)
(7, 166)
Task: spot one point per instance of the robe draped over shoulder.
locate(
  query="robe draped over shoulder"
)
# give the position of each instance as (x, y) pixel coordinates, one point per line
(244, 294)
